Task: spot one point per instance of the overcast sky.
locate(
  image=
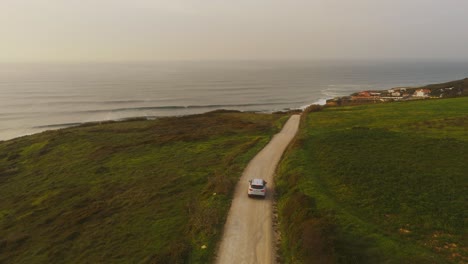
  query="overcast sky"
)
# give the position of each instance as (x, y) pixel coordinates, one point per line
(129, 30)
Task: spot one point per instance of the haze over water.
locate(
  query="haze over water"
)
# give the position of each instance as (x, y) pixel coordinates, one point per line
(38, 97)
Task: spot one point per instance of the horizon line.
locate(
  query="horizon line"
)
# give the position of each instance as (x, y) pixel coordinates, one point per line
(105, 61)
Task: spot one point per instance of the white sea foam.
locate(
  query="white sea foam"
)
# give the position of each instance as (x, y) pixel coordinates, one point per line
(321, 101)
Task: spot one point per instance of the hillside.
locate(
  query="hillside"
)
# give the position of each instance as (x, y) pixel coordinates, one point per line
(456, 88)
(382, 183)
(449, 89)
(125, 192)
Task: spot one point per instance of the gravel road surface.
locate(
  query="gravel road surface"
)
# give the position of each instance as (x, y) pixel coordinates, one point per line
(248, 233)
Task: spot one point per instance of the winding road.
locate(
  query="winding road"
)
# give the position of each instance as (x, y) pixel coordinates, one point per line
(248, 233)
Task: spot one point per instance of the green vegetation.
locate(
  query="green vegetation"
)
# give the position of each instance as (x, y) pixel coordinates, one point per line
(125, 192)
(456, 88)
(381, 183)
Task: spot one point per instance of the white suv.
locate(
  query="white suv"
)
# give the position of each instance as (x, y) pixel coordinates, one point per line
(257, 187)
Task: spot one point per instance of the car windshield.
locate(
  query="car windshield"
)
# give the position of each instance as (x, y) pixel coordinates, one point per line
(257, 186)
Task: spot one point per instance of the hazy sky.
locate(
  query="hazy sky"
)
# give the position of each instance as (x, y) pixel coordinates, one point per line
(122, 30)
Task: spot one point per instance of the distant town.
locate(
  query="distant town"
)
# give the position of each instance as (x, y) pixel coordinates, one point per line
(443, 90)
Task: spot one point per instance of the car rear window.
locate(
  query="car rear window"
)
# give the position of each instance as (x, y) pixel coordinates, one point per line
(257, 186)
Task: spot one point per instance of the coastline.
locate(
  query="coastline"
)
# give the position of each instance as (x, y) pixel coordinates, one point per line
(51, 127)
(54, 157)
(450, 89)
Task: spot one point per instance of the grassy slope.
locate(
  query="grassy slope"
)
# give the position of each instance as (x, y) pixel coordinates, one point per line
(460, 88)
(377, 183)
(127, 192)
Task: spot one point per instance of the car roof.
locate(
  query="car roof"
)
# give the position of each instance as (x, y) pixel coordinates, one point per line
(257, 182)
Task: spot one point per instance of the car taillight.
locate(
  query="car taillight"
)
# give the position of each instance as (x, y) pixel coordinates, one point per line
(250, 189)
(263, 190)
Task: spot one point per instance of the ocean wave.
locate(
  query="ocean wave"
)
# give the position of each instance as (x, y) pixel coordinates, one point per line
(321, 101)
(107, 102)
(337, 90)
(179, 107)
(58, 125)
(167, 108)
(90, 102)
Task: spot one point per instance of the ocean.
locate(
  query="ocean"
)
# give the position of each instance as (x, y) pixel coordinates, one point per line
(38, 97)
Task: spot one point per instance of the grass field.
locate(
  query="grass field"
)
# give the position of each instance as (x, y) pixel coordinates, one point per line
(125, 192)
(377, 184)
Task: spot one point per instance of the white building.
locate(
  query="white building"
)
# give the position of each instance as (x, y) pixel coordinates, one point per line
(422, 93)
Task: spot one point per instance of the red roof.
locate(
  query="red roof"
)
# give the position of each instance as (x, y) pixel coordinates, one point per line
(364, 94)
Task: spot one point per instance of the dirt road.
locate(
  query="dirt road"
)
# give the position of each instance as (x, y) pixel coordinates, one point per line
(248, 233)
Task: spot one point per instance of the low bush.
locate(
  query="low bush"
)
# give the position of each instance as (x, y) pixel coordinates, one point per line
(138, 191)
